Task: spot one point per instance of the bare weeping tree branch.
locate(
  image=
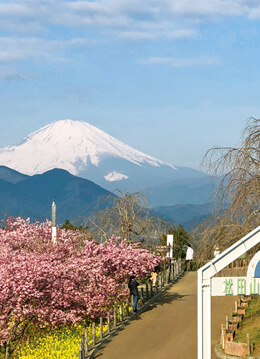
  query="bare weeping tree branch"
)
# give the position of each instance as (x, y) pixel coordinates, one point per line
(239, 169)
(127, 216)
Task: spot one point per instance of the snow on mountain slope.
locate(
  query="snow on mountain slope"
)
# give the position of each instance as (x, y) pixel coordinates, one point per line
(70, 145)
(87, 152)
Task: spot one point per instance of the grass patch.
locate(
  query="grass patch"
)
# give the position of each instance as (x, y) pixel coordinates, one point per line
(251, 325)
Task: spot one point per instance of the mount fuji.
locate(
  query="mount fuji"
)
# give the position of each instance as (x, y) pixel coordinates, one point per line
(87, 152)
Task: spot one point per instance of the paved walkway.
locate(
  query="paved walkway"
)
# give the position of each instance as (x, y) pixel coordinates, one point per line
(168, 328)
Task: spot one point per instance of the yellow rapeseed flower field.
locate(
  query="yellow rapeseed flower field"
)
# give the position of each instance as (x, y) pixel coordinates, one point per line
(59, 343)
(55, 344)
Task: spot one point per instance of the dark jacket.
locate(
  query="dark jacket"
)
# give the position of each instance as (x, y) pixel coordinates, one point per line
(132, 285)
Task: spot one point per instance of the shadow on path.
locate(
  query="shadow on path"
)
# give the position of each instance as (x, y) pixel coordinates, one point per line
(165, 298)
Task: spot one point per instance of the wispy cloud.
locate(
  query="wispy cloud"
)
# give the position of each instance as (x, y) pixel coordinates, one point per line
(27, 26)
(124, 14)
(12, 76)
(174, 62)
(20, 49)
(155, 35)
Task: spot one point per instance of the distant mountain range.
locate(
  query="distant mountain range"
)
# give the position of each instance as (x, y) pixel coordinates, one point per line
(32, 196)
(76, 164)
(183, 191)
(87, 152)
(189, 215)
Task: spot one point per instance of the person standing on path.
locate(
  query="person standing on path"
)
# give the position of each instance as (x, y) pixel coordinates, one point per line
(132, 285)
(189, 257)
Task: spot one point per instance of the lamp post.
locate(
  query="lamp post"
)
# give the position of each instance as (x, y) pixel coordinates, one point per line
(53, 223)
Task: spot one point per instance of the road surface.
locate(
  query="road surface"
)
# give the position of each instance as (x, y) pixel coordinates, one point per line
(168, 328)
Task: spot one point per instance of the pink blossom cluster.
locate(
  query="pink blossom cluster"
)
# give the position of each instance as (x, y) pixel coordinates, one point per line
(48, 284)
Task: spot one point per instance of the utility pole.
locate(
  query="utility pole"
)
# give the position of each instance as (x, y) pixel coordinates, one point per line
(53, 223)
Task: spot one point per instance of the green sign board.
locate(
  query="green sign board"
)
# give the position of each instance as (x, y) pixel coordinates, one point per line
(223, 286)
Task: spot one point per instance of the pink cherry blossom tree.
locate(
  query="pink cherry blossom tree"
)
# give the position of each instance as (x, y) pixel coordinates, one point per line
(49, 285)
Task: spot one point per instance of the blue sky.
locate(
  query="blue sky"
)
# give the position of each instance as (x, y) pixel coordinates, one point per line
(171, 78)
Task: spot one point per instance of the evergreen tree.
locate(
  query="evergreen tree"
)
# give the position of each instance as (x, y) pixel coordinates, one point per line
(180, 240)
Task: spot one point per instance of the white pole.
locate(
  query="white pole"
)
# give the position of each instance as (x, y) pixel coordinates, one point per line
(53, 223)
(170, 245)
(204, 316)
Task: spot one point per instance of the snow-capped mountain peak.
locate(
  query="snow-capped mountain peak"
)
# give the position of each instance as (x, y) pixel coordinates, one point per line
(91, 153)
(71, 145)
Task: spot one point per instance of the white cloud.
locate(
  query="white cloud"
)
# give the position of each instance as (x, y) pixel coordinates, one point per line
(174, 62)
(209, 8)
(128, 20)
(128, 14)
(254, 13)
(154, 34)
(20, 49)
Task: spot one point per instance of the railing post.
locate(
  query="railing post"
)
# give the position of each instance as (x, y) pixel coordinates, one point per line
(86, 340)
(127, 307)
(108, 322)
(121, 312)
(101, 327)
(81, 348)
(172, 274)
(115, 312)
(175, 268)
(142, 295)
(160, 281)
(151, 289)
(94, 333)
(227, 322)
(167, 275)
(223, 335)
(146, 292)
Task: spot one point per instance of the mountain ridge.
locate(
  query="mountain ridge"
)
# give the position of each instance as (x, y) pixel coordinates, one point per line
(90, 153)
(33, 196)
(76, 198)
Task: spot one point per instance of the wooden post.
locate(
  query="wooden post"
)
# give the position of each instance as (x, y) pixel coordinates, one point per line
(81, 349)
(127, 307)
(146, 292)
(101, 327)
(235, 306)
(83, 346)
(121, 312)
(223, 334)
(160, 281)
(115, 310)
(226, 322)
(94, 333)
(151, 289)
(108, 322)
(142, 295)
(248, 344)
(175, 268)
(86, 340)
